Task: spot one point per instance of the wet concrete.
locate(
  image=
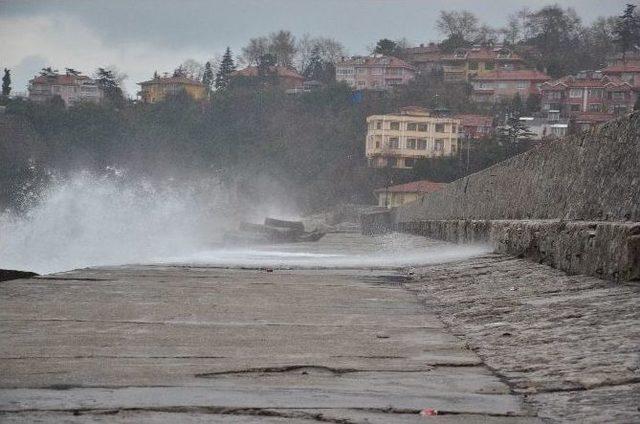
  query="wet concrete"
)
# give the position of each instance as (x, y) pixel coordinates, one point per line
(165, 344)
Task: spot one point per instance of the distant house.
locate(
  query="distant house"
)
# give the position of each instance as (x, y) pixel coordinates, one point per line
(157, 89)
(545, 128)
(398, 140)
(466, 63)
(70, 87)
(375, 72)
(588, 98)
(397, 195)
(424, 58)
(475, 126)
(502, 84)
(287, 78)
(626, 72)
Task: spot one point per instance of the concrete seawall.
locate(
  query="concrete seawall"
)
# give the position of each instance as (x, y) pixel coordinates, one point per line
(573, 204)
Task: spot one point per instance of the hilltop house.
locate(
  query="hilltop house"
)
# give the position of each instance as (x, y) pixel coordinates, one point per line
(588, 98)
(72, 88)
(466, 63)
(398, 140)
(498, 85)
(375, 72)
(158, 88)
(286, 77)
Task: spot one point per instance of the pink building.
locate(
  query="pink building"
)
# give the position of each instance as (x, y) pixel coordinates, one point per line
(70, 87)
(497, 85)
(376, 72)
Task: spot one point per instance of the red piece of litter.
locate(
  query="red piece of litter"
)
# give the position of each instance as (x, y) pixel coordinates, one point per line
(428, 412)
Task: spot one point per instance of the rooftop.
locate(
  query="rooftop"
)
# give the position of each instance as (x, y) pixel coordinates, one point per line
(423, 186)
(281, 71)
(475, 120)
(516, 75)
(171, 80)
(61, 79)
(374, 60)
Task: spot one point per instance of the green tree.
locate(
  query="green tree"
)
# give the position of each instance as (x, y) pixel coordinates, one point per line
(627, 30)
(515, 133)
(227, 67)
(108, 83)
(207, 76)
(6, 83)
(386, 47)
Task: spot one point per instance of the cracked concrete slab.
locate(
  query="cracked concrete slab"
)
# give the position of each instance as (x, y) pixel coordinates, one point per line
(154, 343)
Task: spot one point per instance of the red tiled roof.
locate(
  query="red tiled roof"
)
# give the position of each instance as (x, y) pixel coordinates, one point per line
(518, 75)
(281, 71)
(574, 82)
(171, 80)
(424, 186)
(475, 120)
(58, 79)
(619, 69)
(375, 60)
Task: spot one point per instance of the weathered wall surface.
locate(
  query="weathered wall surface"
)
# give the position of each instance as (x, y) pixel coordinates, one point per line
(609, 250)
(591, 176)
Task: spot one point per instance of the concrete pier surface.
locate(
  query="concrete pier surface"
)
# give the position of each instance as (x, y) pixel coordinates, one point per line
(195, 344)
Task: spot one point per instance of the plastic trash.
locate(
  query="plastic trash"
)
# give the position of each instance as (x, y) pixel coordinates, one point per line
(428, 412)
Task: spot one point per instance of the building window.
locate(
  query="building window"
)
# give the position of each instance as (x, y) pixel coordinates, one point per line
(411, 143)
(438, 145)
(595, 107)
(575, 108)
(412, 126)
(394, 125)
(617, 95)
(454, 128)
(473, 66)
(361, 70)
(409, 162)
(376, 71)
(378, 125)
(553, 95)
(522, 85)
(595, 93)
(394, 143)
(423, 127)
(422, 144)
(575, 93)
(489, 66)
(440, 128)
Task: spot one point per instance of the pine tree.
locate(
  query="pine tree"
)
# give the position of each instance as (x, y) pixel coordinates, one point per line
(6, 83)
(627, 30)
(107, 82)
(207, 76)
(227, 67)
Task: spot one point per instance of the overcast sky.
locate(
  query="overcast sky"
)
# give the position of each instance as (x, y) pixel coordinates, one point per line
(140, 36)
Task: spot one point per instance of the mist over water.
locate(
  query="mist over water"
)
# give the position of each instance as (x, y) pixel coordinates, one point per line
(89, 220)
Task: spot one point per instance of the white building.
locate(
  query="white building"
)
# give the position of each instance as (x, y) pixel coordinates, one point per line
(70, 87)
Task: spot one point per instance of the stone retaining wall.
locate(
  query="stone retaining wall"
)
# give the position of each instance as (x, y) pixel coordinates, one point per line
(590, 176)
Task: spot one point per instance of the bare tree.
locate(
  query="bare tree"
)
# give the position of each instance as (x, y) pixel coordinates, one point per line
(192, 69)
(327, 49)
(282, 45)
(462, 25)
(253, 51)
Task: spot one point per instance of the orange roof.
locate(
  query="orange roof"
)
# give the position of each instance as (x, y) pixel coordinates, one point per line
(171, 80)
(60, 79)
(475, 120)
(424, 186)
(281, 71)
(518, 75)
(375, 60)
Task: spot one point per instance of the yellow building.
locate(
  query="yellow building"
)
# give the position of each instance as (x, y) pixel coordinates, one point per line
(390, 197)
(466, 63)
(398, 140)
(157, 89)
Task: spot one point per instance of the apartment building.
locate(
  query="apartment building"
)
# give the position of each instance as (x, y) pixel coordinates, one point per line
(503, 84)
(589, 98)
(376, 72)
(72, 88)
(157, 89)
(466, 63)
(399, 140)
(425, 58)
